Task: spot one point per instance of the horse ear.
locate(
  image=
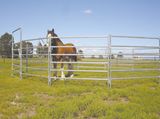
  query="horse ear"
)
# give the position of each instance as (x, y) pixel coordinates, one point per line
(53, 30)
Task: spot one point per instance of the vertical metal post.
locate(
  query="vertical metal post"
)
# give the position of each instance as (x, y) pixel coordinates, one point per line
(20, 50)
(49, 61)
(159, 57)
(109, 61)
(159, 51)
(12, 54)
(27, 58)
(133, 58)
(20, 54)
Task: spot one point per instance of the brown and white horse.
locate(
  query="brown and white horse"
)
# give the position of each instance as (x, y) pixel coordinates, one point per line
(61, 54)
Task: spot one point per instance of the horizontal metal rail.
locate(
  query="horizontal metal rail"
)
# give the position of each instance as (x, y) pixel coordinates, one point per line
(131, 64)
(84, 46)
(135, 37)
(79, 47)
(35, 54)
(35, 75)
(127, 46)
(36, 68)
(68, 37)
(104, 67)
(81, 62)
(92, 67)
(143, 54)
(131, 49)
(61, 54)
(142, 77)
(104, 71)
(16, 65)
(135, 54)
(65, 70)
(142, 58)
(80, 78)
(155, 54)
(76, 55)
(135, 70)
(35, 39)
(36, 61)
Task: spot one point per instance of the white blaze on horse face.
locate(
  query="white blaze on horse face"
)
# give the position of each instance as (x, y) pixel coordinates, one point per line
(49, 35)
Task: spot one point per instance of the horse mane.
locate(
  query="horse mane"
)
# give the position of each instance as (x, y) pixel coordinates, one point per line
(56, 42)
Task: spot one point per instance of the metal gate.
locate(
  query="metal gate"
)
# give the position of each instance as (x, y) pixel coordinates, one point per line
(106, 58)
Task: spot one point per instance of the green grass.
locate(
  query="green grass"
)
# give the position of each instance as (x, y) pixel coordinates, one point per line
(71, 99)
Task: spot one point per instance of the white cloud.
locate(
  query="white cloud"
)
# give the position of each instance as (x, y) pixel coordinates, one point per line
(88, 11)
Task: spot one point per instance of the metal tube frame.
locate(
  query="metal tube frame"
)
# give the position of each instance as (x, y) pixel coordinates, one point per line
(12, 68)
(21, 54)
(109, 61)
(20, 71)
(106, 63)
(27, 58)
(49, 61)
(159, 59)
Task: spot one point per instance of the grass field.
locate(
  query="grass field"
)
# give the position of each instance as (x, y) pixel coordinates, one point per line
(72, 99)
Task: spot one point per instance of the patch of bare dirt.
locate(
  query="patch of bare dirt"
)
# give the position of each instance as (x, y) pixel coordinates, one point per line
(47, 97)
(1, 115)
(110, 101)
(29, 113)
(44, 96)
(158, 114)
(152, 88)
(124, 99)
(15, 101)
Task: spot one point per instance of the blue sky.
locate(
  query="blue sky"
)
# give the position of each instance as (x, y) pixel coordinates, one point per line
(81, 17)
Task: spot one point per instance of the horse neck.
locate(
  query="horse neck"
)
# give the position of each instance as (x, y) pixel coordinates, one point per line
(56, 42)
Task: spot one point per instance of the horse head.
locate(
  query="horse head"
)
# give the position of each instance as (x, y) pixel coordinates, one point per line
(51, 33)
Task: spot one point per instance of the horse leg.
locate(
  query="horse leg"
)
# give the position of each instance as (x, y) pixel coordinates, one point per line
(70, 67)
(62, 70)
(55, 72)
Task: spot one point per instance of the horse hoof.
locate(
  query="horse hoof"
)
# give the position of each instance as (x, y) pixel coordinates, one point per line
(71, 76)
(55, 77)
(63, 77)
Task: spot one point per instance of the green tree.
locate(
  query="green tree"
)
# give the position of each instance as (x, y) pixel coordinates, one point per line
(6, 45)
